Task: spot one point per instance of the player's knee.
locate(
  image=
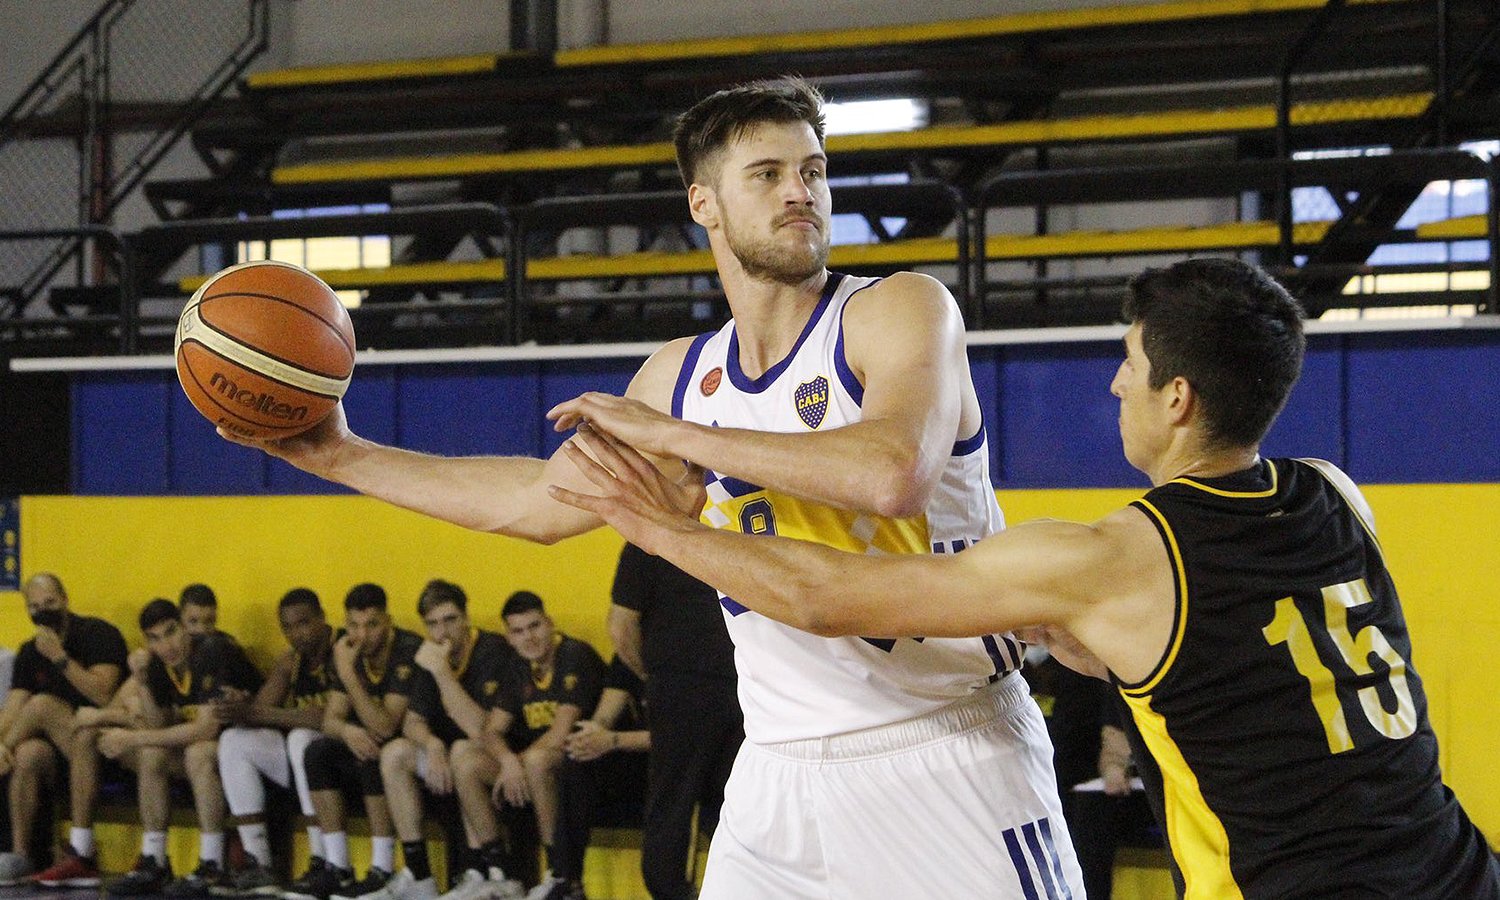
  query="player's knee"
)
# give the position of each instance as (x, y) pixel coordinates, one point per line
(202, 760)
(233, 743)
(34, 757)
(397, 759)
(465, 758)
(540, 763)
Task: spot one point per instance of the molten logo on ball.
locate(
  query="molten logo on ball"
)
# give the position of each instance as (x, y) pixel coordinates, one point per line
(266, 404)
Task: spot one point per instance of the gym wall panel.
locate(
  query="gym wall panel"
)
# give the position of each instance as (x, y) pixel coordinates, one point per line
(1057, 419)
(563, 382)
(466, 412)
(1422, 406)
(115, 553)
(1395, 408)
(121, 441)
(1313, 422)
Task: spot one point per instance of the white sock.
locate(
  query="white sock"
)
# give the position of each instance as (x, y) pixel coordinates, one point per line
(256, 842)
(315, 841)
(336, 849)
(383, 853)
(154, 845)
(211, 848)
(82, 841)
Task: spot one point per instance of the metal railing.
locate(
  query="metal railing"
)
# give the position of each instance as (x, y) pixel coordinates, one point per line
(92, 110)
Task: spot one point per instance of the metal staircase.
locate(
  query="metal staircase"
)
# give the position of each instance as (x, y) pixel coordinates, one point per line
(92, 125)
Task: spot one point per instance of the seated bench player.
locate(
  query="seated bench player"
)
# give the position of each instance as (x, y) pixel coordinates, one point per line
(269, 734)
(516, 762)
(72, 662)
(461, 671)
(176, 735)
(373, 668)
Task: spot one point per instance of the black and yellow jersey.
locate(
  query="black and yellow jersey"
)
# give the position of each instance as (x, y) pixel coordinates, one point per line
(1290, 727)
(215, 662)
(312, 675)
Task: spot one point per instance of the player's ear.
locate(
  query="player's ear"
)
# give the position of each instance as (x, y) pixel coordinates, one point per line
(1181, 400)
(704, 205)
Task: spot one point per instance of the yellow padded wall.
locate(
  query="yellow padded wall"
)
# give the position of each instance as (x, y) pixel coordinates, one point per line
(116, 553)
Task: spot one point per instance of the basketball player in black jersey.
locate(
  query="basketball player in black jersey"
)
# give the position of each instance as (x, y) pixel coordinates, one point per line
(373, 669)
(1242, 607)
(270, 731)
(461, 669)
(175, 734)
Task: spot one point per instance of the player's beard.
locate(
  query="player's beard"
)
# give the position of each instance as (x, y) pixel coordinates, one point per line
(768, 259)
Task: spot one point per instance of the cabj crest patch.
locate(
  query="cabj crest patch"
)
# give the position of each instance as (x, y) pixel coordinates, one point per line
(403, 673)
(490, 687)
(812, 401)
(570, 682)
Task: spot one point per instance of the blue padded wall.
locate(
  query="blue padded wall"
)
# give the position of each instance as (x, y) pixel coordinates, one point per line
(1390, 408)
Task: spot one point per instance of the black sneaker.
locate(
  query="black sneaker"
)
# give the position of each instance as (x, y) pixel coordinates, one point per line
(255, 879)
(205, 881)
(148, 877)
(374, 881)
(319, 882)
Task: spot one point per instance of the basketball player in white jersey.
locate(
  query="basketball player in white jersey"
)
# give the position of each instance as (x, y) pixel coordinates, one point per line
(834, 409)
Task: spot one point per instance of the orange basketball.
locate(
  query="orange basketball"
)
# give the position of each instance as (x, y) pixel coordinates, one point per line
(265, 350)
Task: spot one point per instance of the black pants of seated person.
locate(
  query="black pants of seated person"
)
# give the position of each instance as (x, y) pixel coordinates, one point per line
(696, 731)
(608, 791)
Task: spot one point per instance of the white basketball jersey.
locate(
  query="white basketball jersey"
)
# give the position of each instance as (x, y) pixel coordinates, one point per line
(794, 685)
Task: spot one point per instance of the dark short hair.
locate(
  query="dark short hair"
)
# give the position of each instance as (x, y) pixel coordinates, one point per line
(719, 119)
(1231, 331)
(300, 596)
(198, 595)
(437, 592)
(365, 596)
(158, 611)
(521, 602)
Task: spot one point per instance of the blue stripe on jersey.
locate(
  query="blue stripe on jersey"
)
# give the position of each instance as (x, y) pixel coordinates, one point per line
(1057, 869)
(733, 607)
(840, 364)
(969, 445)
(1029, 830)
(993, 649)
(733, 486)
(748, 385)
(685, 377)
(1018, 859)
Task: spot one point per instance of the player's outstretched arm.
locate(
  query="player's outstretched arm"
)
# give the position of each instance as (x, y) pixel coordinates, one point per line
(904, 338)
(1096, 580)
(503, 495)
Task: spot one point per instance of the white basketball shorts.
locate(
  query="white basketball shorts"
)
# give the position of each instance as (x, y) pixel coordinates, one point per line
(961, 802)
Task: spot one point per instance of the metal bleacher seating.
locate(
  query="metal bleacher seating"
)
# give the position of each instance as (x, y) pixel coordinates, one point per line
(483, 165)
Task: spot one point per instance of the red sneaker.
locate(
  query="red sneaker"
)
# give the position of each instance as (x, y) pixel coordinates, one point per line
(70, 871)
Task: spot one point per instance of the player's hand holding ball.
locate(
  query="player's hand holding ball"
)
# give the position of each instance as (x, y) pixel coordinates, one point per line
(265, 351)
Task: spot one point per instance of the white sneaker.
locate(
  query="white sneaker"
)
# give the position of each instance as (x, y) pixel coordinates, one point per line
(468, 886)
(405, 886)
(540, 892)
